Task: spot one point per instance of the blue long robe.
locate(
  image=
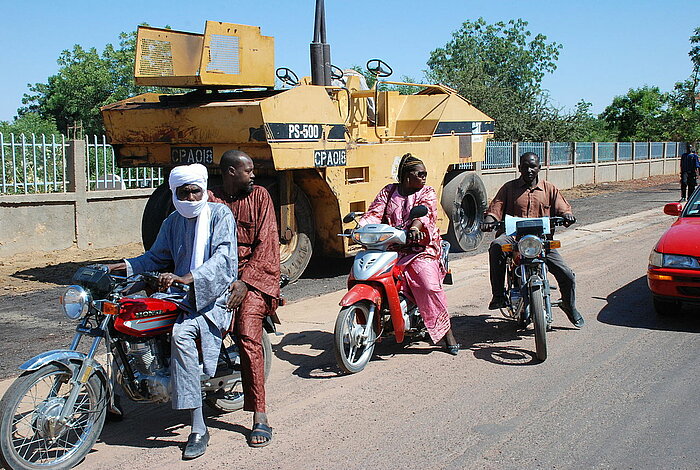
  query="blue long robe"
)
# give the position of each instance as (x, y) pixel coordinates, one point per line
(174, 244)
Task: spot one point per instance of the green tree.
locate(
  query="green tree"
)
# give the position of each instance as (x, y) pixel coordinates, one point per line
(586, 126)
(371, 79)
(28, 123)
(87, 80)
(82, 84)
(695, 59)
(499, 68)
(682, 121)
(638, 115)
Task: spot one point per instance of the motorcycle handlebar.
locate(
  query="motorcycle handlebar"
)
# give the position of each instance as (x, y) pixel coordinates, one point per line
(553, 222)
(154, 276)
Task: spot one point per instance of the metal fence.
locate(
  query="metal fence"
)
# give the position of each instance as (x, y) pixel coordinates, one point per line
(31, 164)
(504, 154)
(102, 172)
(37, 163)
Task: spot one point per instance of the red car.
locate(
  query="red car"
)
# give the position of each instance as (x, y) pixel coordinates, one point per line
(674, 264)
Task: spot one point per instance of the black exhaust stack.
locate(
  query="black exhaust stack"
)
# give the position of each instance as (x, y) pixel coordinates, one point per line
(320, 50)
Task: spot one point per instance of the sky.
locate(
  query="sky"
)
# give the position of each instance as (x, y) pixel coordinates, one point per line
(608, 46)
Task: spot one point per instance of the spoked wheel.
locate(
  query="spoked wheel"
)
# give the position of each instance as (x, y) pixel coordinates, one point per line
(352, 349)
(539, 320)
(31, 435)
(231, 398)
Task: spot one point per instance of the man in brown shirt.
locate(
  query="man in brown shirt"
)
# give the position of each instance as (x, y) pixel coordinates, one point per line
(256, 292)
(530, 196)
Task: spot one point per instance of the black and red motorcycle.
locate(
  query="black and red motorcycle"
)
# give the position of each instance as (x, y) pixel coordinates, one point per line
(52, 414)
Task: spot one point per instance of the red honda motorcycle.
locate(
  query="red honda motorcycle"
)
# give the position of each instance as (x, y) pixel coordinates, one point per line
(374, 306)
(52, 414)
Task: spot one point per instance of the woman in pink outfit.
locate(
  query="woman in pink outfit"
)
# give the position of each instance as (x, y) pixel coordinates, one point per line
(424, 271)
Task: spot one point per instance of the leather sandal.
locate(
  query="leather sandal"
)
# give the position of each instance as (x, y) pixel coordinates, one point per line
(263, 430)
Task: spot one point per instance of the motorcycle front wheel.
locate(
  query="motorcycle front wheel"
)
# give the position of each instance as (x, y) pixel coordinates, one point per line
(31, 436)
(232, 399)
(352, 350)
(539, 320)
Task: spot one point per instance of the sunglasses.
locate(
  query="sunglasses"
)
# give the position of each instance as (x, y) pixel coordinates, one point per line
(420, 174)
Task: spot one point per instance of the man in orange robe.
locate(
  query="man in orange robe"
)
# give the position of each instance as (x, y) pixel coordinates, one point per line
(256, 292)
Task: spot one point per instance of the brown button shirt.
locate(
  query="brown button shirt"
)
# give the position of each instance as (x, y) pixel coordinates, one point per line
(515, 198)
(258, 239)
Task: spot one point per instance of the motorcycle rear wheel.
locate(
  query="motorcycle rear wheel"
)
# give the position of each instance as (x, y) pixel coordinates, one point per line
(233, 398)
(539, 320)
(26, 423)
(351, 352)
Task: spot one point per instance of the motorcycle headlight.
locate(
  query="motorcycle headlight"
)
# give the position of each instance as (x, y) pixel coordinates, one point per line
(75, 302)
(370, 238)
(680, 261)
(530, 246)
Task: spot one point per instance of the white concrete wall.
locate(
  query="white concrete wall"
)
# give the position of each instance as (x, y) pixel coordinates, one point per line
(102, 219)
(86, 219)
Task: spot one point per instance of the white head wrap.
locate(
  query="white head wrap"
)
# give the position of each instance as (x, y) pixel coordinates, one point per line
(189, 174)
(193, 174)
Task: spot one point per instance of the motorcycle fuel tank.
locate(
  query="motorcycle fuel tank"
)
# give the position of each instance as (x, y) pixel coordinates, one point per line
(146, 316)
(370, 263)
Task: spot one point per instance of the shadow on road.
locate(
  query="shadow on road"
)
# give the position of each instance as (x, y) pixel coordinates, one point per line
(155, 426)
(484, 334)
(318, 366)
(507, 356)
(322, 268)
(631, 306)
(60, 274)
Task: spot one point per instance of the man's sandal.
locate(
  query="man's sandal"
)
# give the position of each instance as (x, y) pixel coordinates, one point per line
(260, 430)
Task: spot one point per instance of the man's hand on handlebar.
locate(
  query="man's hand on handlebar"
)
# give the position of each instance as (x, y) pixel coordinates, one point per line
(488, 224)
(569, 219)
(165, 280)
(237, 292)
(116, 267)
(415, 231)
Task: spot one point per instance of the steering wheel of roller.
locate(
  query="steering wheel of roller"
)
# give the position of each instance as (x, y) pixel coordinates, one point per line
(287, 76)
(379, 68)
(336, 72)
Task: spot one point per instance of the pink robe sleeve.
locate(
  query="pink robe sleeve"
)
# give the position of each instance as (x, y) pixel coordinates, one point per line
(428, 198)
(376, 210)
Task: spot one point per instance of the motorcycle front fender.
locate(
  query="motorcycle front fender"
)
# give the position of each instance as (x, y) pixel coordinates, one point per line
(65, 358)
(362, 292)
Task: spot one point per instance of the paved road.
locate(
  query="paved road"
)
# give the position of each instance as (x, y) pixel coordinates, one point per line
(620, 393)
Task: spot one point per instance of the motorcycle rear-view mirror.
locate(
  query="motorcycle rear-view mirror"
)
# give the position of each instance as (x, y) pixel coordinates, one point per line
(349, 218)
(418, 212)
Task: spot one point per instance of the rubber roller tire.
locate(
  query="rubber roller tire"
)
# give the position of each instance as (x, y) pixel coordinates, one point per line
(158, 208)
(464, 201)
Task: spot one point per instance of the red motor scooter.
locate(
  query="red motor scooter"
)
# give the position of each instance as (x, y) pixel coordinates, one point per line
(374, 306)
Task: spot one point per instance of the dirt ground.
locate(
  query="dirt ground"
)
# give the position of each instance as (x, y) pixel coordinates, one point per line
(40, 270)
